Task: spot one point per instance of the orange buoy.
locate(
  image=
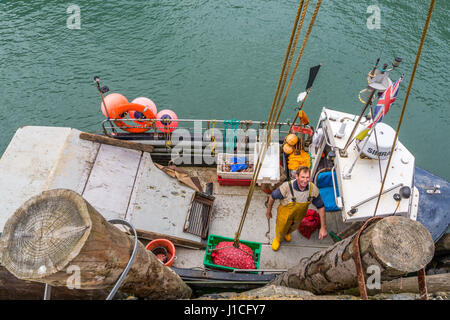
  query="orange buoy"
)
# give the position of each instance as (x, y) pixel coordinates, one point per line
(112, 101)
(288, 149)
(167, 245)
(145, 102)
(167, 122)
(292, 139)
(120, 111)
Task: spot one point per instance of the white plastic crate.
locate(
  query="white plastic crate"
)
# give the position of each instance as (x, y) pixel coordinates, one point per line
(224, 158)
(270, 169)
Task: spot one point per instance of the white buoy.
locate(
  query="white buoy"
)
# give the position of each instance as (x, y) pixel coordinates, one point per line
(384, 136)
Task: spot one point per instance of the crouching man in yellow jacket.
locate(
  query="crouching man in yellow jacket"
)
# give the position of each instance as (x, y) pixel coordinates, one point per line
(295, 197)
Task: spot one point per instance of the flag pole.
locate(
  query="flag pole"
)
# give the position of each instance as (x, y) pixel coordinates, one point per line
(313, 71)
(348, 175)
(379, 159)
(343, 151)
(298, 112)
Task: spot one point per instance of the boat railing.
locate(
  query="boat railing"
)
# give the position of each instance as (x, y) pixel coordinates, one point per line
(110, 126)
(337, 198)
(195, 141)
(259, 271)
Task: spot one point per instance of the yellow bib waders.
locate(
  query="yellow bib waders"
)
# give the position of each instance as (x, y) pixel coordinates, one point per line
(289, 217)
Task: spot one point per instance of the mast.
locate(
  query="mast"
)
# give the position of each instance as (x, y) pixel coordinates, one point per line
(378, 81)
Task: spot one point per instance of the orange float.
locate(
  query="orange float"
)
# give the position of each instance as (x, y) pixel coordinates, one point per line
(117, 107)
(291, 139)
(120, 111)
(112, 101)
(288, 149)
(167, 121)
(145, 102)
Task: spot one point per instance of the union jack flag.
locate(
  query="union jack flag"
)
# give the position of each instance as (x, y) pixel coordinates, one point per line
(384, 104)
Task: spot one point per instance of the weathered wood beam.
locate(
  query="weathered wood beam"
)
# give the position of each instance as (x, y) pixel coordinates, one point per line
(116, 142)
(12, 288)
(443, 246)
(435, 283)
(393, 246)
(57, 232)
(149, 235)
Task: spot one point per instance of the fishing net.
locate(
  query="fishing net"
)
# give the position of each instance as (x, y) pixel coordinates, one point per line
(225, 254)
(309, 224)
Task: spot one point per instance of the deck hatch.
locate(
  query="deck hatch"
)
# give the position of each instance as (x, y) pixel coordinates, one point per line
(199, 215)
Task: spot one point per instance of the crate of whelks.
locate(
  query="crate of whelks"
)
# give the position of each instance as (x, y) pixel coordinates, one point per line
(232, 166)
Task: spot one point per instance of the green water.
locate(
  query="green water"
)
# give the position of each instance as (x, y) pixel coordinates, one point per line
(219, 59)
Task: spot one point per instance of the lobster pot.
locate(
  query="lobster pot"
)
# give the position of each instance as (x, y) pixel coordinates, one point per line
(384, 135)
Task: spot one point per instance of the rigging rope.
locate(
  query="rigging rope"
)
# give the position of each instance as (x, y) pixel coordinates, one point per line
(213, 138)
(276, 108)
(168, 142)
(286, 58)
(416, 63)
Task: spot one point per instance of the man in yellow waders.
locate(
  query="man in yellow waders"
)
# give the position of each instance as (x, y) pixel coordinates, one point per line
(295, 197)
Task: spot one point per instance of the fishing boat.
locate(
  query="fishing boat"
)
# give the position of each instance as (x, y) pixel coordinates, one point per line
(167, 176)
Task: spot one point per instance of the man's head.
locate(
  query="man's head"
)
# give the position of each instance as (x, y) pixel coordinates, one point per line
(302, 176)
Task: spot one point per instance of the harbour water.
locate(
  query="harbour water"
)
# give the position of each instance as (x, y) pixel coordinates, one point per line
(219, 60)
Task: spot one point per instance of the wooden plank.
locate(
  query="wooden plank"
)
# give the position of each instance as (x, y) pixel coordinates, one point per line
(111, 181)
(74, 164)
(148, 235)
(116, 142)
(159, 202)
(26, 165)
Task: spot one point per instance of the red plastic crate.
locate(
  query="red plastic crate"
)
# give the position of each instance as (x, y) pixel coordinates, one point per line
(233, 182)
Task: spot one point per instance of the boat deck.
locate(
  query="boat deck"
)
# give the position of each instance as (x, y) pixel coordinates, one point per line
(228, 206)
(125, 184)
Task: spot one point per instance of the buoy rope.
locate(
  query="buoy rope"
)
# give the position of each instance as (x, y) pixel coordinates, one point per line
(167, 135)
(416, 63)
